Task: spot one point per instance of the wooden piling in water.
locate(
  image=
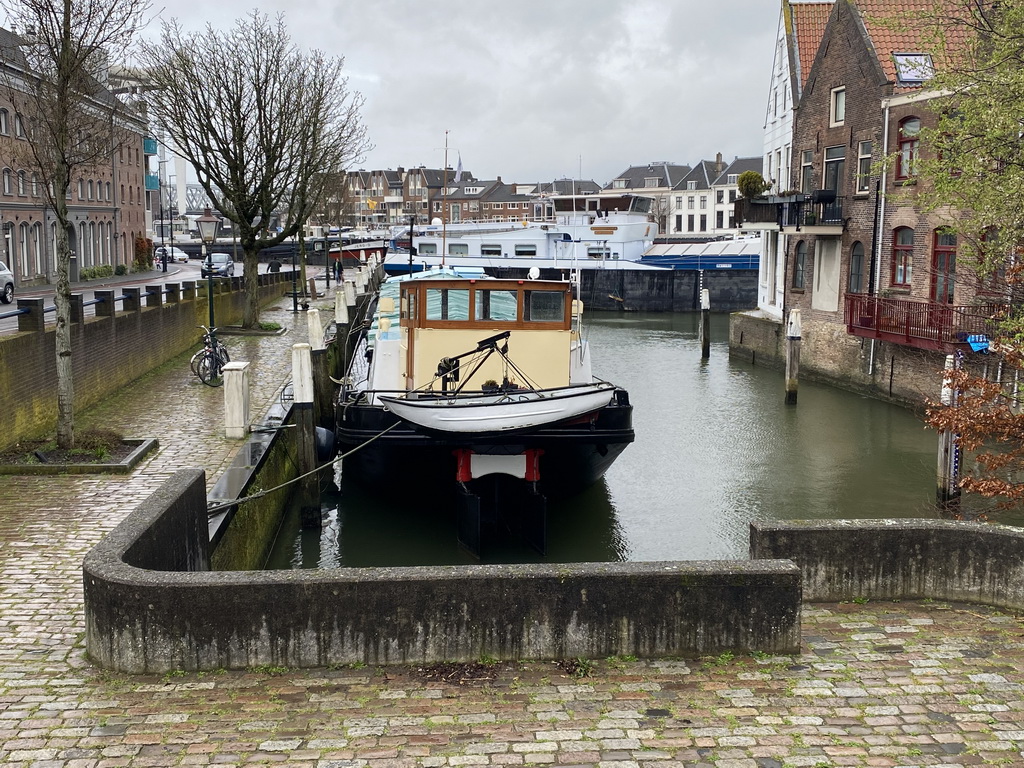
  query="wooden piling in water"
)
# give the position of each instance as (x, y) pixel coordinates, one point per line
(308, 491)
(793, 331)
(705, 323)
(947, 486)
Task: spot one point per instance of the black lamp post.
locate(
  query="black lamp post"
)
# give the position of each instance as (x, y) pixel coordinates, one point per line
(208, 224)
(163, 248)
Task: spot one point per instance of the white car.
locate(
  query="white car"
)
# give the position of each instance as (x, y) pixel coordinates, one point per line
(174, 255)
(6, 284)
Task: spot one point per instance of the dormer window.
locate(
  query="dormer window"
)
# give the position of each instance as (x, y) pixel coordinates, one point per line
(691, 185)
(733, 178)
(619, 184)
(652, 181)
(837, 114)
(913, 68)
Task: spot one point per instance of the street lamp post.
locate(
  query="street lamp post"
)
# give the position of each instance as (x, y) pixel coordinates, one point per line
(208, 224)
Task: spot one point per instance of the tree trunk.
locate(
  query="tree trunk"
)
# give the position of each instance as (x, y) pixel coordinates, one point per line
(251, 280)
(62, 300)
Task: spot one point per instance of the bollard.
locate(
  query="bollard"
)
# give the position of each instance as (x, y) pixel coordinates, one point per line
(350, 293)
(792, 356)
(236, 399)
(316, 330)
(340, 308)
(705, 323)
(308, 491)
(312, 288)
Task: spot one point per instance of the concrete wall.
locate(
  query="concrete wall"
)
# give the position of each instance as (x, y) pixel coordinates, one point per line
(111, 349)
(829, 354)
(900, 559)
(141, 618)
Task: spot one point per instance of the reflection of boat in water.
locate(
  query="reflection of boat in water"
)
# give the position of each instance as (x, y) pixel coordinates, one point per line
(516, 418)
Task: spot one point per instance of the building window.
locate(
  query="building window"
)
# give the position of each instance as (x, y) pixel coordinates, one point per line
(863, 166)
(856, 284)
(22, 185)
(703, 202)
(7, 181)
(902, 256)
(703, 222)
(619, 184)
(652, 181)
(679, 222)
(732, 195)
(689, 223)
(19, 126)
(835, 162)
(807, 171)
(800, 265)
(943, 266)
(679, 201)
(720, 196)
(837, 114)
(733, 178)
(909, 140)
(719, 218)
(4, 127)
(691, 185)
(689, 202)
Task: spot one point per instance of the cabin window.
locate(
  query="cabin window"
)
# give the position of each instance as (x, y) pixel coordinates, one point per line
(526, 250)
(598, 253)
(447, 304)
(544, 306)
(458, 249)
(496, 305)
(490, 250)
(427, 249)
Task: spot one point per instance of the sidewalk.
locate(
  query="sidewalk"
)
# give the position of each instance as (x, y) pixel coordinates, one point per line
(877, 684)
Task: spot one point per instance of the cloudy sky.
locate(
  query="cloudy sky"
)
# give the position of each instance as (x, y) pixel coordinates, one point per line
(539, 89)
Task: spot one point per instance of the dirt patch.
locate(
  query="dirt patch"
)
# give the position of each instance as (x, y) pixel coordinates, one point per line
(455, 673)
(99, 446)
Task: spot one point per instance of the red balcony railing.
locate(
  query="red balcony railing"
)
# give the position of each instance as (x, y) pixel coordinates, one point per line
(920, 324)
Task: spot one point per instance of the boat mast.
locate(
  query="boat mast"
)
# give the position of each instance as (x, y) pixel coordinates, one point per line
(444, 202)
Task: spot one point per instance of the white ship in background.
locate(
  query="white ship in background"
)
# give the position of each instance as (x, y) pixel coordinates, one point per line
(606, 233)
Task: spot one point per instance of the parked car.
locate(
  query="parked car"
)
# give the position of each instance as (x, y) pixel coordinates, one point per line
(219, 264)
(6, 284)
(174, 255)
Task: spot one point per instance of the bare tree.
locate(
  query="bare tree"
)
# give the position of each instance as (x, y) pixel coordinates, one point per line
(263, 124)
(55, 79)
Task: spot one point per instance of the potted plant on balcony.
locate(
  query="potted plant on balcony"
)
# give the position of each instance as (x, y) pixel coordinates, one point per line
(752, 184)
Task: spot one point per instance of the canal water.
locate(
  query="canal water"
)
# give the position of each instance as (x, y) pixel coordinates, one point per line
(716, 448)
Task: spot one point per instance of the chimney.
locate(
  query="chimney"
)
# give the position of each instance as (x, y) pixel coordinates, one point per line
(499, 179)
(719, 165)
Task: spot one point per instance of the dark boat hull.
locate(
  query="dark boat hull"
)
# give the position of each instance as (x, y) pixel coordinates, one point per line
(575, 453)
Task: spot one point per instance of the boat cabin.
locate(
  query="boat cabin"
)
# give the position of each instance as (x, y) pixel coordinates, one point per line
(442, 320)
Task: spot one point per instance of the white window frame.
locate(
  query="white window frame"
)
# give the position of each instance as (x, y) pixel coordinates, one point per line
(837, 106)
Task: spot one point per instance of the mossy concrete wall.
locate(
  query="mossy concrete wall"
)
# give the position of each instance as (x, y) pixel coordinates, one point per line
(900, 559)
(141, 619)
(125, 340)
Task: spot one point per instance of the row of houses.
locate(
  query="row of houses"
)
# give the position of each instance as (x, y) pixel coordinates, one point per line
(875, 276)
(109, 205)
(689, 202)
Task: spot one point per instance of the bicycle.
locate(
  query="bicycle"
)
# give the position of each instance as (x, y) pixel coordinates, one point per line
(209, 361)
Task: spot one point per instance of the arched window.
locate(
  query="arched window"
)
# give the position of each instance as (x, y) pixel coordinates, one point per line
(37, 247)
(7, 181)
(35, 185)
(909, 140)
(856, 284)
(90, 186)
(108, 191)
(122, 193)
(5, 127)
(24, 250)
(19, 126)
(800, 265)
(902, 256)
(81, 189)
(22, 184)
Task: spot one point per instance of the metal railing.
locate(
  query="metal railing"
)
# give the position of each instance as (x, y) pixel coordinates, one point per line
(920, 324)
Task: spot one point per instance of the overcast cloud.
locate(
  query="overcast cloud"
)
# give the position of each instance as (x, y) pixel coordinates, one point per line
(539, 89)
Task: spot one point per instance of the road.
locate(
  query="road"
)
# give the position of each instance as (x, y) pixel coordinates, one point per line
(176, 273)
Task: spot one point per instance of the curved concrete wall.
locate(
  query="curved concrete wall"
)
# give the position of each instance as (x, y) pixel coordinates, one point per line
(148, 610)
(899, 559)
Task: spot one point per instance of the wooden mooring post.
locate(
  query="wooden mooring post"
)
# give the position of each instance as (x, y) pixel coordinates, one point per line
(308, 491)
(792, 356)
(947, 487)
(705, 323)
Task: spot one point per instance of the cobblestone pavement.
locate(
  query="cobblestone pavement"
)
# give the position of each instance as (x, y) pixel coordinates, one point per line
(876, 684)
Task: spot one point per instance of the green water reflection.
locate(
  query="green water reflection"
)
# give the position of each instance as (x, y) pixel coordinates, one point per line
(716, 448)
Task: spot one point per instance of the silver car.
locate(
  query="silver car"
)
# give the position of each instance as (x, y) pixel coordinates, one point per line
(219, 264)
(174, 255)
(6, 284)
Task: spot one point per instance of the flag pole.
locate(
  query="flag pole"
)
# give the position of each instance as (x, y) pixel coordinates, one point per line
(444, 202)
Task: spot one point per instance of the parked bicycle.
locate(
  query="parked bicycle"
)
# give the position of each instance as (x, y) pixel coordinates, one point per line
(208, 363)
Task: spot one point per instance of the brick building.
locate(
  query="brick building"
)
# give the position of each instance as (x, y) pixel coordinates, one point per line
(106, 203)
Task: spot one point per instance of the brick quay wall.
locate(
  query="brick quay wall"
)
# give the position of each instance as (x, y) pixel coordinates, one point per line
(120, 344)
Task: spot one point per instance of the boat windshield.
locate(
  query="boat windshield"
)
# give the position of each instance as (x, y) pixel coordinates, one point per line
(496, 305)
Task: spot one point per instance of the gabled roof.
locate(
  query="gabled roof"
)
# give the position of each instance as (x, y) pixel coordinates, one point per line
(891, 28)
(505, 193)
(569, 187)
(738, 166)
(636, 176)
(702, 174)
(805, 22)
